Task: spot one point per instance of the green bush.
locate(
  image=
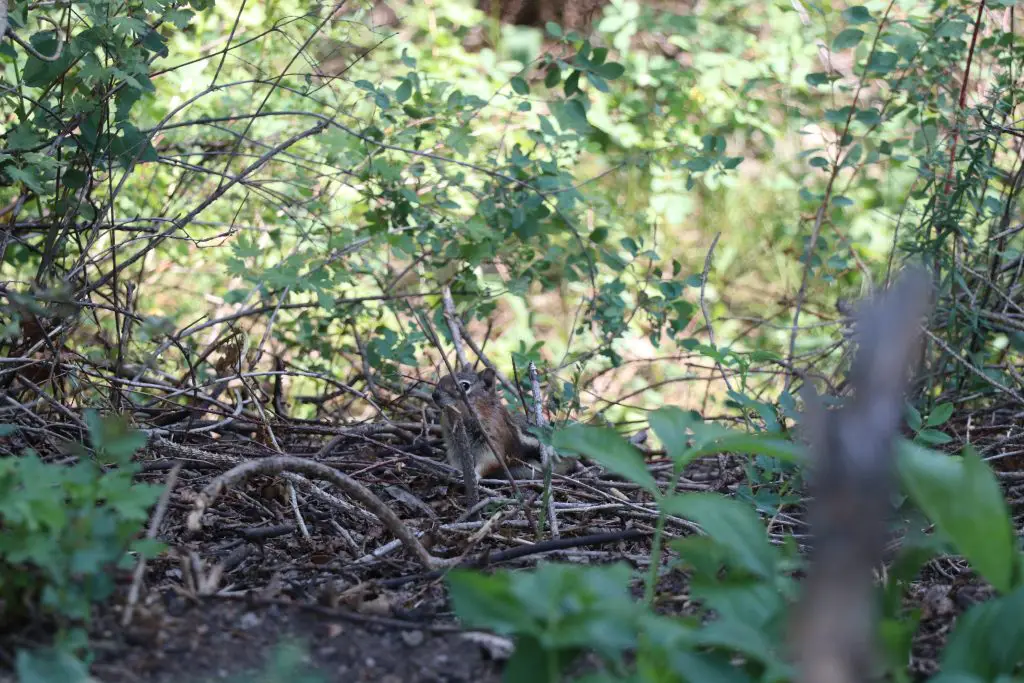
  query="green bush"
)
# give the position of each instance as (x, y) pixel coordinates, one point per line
(67, 527)
(741, 582)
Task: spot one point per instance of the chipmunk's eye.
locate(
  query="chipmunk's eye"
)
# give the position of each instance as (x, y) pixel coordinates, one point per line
(465, 383)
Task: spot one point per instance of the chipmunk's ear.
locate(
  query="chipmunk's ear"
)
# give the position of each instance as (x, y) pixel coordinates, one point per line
(466, 368)
(488, 378)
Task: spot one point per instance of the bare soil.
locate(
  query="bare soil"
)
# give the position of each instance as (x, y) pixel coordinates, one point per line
(220, 640)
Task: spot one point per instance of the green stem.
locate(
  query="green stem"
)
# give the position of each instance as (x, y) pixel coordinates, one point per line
(652, 577)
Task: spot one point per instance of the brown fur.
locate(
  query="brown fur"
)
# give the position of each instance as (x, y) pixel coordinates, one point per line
(508, 434)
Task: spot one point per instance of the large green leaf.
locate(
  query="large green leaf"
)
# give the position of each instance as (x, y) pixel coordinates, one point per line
(754, 444)
(564, 607)
(607, 447)
(483, 601)
(705, 667)
(531, 663)
(963, 498)
(580, 606)
(670, 424)
(732, 524)
(957, 677)
(753, 601)
(740, 637)
(988, 640)
(50, 666)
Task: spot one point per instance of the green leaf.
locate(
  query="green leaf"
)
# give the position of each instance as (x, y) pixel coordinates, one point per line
(572, 84)
(670, 424)
(914, 420)
(530, 663)
(571, 115)
(180, 17)
(8, 429)
(897, 637)
(988, 639)
(149, 547)
(739, 637)
(817, 78)
(520, 86)
(963, 498)
(932, 437)
(75, 178)
(553, 29)
(597, 82)
(882, 62)
(30, 177)
(847, 38)
(133, 144)
(50, 666)
(745, 599)
(564, 607)
(608, 448)
(951, 29)
(155, 43)
(404, 90)
(869, 117)
(839, 115)
(940, 415)
(487, 602)
(23, 137)
(553, 76)
(768, 445)
(732, 524)
(580, 606)
(958, 677)
(112, 436)
(40, 73)
(712, 667)
(610, 71)
(129, 26)
(857, 15)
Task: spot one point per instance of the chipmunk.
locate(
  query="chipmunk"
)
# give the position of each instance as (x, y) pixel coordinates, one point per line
(520, 450)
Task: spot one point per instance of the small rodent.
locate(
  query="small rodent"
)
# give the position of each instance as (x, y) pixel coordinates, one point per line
(518, 447)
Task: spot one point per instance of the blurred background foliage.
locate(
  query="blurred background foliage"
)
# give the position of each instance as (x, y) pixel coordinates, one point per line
(194, 190)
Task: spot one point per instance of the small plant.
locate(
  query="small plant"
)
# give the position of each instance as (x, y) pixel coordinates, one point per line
(925, 428)
(66, 526)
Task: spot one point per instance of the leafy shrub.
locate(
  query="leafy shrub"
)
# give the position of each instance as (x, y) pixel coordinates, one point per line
(66, 527)
(741, 581)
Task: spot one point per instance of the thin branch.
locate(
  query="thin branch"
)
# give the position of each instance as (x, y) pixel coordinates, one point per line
(312, 470)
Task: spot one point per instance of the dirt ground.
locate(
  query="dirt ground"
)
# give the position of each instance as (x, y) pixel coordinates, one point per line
(220, 604)
(222, 601)
(222, 640)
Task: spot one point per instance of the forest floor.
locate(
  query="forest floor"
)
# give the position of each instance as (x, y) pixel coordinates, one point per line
(225, 599)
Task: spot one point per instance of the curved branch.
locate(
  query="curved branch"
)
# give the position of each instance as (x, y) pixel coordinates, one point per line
(313, 470)
(8, 30)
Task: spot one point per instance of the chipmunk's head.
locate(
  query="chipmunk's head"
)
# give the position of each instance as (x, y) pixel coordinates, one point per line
(475, 385)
